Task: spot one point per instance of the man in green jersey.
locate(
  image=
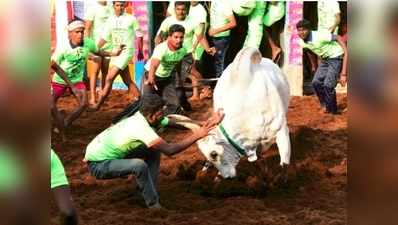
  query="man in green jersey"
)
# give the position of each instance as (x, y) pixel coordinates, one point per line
(61, 191)
(163, 71)
(95, 19)
(333, 68)
(120, 30)
(69, 63)
(131, 146)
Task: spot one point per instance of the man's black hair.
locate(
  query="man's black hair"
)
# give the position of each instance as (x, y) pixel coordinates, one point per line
(176, 28)
(113, 2)
(187, 4)
(304, 24)
(151, 103)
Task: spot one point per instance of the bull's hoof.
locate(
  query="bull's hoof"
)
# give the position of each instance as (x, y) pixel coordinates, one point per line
(281, 179)
(255, 184)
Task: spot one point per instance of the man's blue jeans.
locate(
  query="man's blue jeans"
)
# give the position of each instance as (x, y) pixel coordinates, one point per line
(221, 44)
(145, 170)
(325, 81)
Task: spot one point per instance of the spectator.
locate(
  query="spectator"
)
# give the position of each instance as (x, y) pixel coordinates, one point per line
(163, 68)
(120, 30)
(328, 15)
(69, 63)
(95, 19)
(333, 52)
(275, 12)
(222, 20)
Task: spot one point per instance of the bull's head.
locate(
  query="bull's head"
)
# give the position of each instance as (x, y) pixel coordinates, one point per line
(215, 149)
(220, 154)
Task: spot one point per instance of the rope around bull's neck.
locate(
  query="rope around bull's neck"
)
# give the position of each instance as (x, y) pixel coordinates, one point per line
(239, 149)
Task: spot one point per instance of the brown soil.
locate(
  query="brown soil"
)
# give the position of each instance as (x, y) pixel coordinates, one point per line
(315, 192)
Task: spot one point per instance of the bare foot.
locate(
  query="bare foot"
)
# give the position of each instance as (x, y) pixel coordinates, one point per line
(91, 102)
(93, 108)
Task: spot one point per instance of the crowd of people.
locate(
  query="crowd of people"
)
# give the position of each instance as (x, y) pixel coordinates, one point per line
(106, 39)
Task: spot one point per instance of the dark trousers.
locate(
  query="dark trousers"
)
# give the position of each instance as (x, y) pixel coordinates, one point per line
(143, 164)
(221, 44)
(171, 90)
(325, 81)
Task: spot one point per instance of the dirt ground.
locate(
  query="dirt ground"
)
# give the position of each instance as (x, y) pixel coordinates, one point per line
(315, 193)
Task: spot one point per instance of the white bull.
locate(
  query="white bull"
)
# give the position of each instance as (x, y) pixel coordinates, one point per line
(254, 96)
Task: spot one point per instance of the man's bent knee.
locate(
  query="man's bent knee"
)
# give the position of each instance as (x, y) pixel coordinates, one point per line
(139, 166)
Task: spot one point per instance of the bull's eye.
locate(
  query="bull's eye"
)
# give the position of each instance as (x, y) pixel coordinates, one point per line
(213, 155)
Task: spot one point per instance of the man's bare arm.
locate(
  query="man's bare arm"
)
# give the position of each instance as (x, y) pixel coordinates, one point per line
(61, 73)
(88, 24)
(170, 149)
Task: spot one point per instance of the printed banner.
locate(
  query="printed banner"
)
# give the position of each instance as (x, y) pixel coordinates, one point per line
(294, 14)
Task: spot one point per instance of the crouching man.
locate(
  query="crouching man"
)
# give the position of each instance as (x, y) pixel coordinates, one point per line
(131, 146)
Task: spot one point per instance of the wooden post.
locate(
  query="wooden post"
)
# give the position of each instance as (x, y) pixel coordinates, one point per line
(293, 54)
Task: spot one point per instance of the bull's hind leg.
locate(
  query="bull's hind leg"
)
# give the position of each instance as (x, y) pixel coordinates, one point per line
(283, 143)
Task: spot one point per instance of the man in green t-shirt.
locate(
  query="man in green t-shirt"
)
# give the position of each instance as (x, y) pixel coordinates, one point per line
(131, 146)
(61, 191)
(162, 76)
(121, 29)
(222, 20)
(194, 39)
(334, 54)
(95, 19)
(69, 63)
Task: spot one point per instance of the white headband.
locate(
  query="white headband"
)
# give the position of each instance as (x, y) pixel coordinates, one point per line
(75, 24)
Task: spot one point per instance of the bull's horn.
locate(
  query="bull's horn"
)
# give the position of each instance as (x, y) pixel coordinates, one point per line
(184, 121)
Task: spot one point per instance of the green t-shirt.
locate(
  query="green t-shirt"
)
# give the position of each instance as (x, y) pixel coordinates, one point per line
(327, 10)
(199, 15)
(323, 44)
(242, 7)
(220, 10)
(168, 59)
(98, 14)
(121, 30)
(73, 60)
(58, 177)
(189, 25)
(120, 139)
(11, 176)
(255, 26)
(274, 12)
